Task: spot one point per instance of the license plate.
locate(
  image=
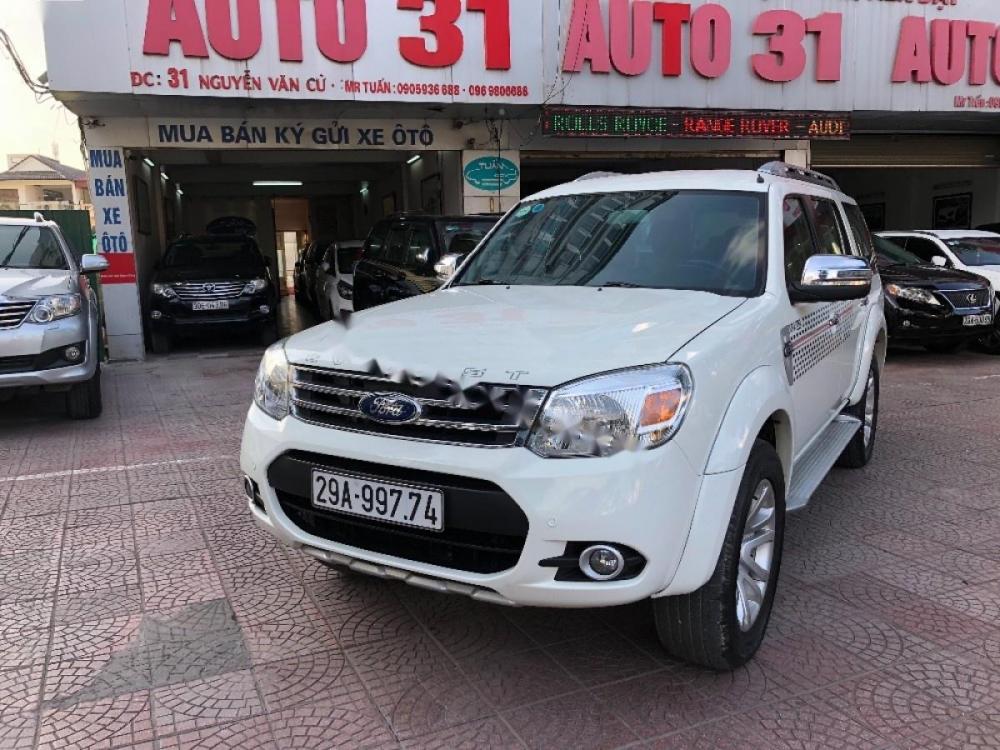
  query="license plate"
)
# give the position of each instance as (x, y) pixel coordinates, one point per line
(215, 305)
(977, 320)
(406, 505)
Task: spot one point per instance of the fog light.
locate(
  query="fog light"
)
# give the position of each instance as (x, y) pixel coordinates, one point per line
(72, 353)
(602, 563)
(156, 315)
(265, 309)
(907, 324)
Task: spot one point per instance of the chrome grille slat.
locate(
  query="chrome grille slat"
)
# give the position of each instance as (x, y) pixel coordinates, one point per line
(196, 292)
(12, 314)
(959, 298)
(501, 419)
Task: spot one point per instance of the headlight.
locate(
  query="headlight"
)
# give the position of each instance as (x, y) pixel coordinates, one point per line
(257, 285)
(345, 290)
(270, 391)
(55, 307)
(912, 294)
(628, 410)
(164, 290)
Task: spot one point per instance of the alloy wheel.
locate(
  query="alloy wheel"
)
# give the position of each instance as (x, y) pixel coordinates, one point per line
(756, 556)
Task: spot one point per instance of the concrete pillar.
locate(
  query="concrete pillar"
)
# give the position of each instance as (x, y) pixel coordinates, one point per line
(799, 156)
(491, 182)
(109, 190)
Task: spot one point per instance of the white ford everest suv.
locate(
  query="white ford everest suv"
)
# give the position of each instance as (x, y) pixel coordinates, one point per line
(618, 396)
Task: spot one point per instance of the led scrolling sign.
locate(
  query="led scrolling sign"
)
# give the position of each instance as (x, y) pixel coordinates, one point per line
(616, 122)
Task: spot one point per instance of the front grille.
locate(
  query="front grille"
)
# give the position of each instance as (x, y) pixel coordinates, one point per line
(969, 298)
(487, 416)
(13, 365)
(13, 313)
(484, 529)
(202, 291)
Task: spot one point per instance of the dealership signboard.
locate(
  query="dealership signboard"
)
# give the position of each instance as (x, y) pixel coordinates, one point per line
(796, 55)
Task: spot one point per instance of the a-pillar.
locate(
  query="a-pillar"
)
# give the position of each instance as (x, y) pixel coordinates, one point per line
(491, 181)
(109, 192)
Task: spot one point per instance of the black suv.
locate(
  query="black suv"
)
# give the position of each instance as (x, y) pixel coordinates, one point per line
(939, 308)
(402, 251)
(213, 282)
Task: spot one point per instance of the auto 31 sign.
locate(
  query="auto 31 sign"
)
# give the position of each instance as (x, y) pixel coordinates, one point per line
(834, 55)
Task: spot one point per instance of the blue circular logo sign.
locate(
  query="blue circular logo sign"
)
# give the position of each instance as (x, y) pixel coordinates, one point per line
(390, 408)
(492, 173)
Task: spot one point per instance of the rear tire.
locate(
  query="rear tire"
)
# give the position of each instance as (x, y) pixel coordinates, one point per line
(721, 625)
(859, 451)
(161, 343)
(84, 400)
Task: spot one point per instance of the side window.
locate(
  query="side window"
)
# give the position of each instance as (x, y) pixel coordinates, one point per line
(420, 248)
(375, 247)
(859, 228)
(923, 249)
(830, 235)
(799, 245)
(395, 246)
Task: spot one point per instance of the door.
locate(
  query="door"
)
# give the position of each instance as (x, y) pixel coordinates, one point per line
(816, 339)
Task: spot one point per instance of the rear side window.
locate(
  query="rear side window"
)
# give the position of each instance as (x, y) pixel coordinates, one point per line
(375, 247)
(799, 244)
(395, 246)
(859, 228)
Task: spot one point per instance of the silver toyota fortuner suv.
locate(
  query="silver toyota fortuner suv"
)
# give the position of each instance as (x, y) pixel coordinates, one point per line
(48, 316)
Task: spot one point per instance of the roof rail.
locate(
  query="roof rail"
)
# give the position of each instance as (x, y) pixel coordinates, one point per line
(596, 176)
(792, 172)
(39, 217)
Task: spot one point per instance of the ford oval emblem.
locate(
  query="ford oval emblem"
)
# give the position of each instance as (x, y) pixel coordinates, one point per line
(390, 408)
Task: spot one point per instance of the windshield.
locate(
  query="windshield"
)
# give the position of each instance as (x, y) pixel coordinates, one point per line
(208, 251)
(31, 247)
(462, 236)
(976, 251)
(711, 241)
(891, 254)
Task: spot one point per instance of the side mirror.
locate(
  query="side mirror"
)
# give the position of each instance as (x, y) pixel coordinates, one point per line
(447, 267)
(94, 264)
(832, 278)
(940, 261)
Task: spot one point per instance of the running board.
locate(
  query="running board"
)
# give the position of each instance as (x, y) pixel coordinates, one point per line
(811, 469)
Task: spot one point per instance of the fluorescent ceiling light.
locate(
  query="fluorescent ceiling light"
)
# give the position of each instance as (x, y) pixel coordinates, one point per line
(149, 163)
(277, 183)
(413, 159)
(179, 191)
(163, 176)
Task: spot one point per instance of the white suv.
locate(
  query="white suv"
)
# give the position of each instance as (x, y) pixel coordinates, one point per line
(618, 396)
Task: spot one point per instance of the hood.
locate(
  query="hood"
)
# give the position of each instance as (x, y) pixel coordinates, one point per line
(542, 336)
(209, 273)
(30, 282)
(928, 276)
(991, 273)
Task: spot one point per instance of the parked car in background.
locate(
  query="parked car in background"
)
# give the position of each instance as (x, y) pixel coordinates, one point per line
(940, 308)
(619, 396)
(403, 255)
(308, 271)
(49, 322)
(216, 282)
(963, 249)
(335, 280)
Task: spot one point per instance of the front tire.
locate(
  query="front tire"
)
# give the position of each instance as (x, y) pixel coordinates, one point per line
(161, 343)
(84, 400)
(990, 343)
(269, 334)
(859, 451)
(721, 625)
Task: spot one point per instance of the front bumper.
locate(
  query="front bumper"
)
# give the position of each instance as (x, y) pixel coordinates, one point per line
(175, 316)
(644, 500)
(29, 353)
(914, 325)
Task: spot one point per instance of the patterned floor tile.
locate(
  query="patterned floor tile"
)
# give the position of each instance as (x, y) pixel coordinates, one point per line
(575, 722)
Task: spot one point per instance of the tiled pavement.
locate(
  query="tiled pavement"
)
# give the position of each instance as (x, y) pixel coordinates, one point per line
(140, 608)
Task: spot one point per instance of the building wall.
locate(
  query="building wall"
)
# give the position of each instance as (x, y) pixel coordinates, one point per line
(908, 194)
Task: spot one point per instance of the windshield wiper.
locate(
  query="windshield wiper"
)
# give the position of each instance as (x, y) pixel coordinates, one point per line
(622, 285)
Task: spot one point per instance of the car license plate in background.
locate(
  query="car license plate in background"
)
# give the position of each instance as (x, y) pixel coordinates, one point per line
(420, 507)
(217, 305)
(977, 320)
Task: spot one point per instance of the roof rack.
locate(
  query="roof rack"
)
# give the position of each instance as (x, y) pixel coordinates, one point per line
(596, 176)
(39, 217)
(792, 172)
